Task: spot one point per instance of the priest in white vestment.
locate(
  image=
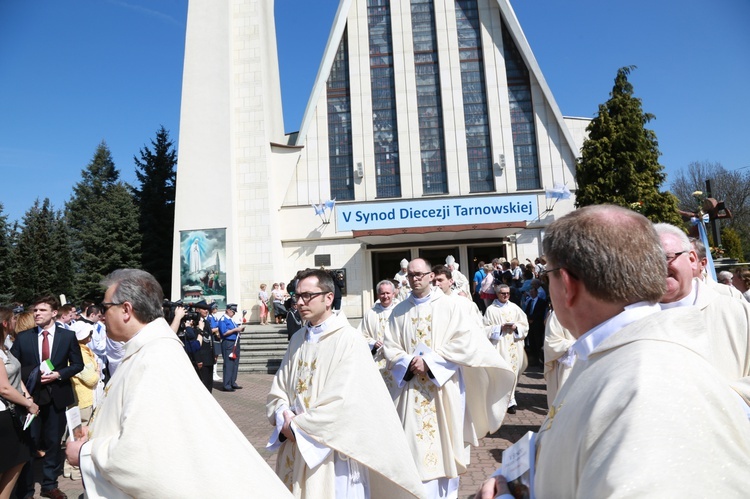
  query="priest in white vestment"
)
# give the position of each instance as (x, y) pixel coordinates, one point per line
(460, 282)
(454, 385)
(726, 321)
(147, 437)
(402, 283)
(444, 281)
(559, 356)
(642, 414)
(506, 327)
(337, 433)
(373, 327)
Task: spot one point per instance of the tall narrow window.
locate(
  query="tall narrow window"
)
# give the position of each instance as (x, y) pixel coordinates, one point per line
(429, 107)
(340, 126)
(385, 131)
(521, 116)
(475, 97)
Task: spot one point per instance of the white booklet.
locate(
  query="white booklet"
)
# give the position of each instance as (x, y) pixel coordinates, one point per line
(73, 416)
(518, 466)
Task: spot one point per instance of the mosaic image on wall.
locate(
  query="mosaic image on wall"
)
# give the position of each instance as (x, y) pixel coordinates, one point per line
(203, 275)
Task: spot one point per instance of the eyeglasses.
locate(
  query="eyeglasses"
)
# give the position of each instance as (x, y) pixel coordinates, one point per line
(671, 258)
(306, 297)
(504, 294)
(417, 275)
(546, 272)
(107, 305)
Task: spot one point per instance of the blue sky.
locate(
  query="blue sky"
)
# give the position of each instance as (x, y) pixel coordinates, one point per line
(76, 72)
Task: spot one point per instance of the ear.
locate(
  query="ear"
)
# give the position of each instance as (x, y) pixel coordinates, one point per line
(329, 300)
(127, 311)
(571, 288)
(693, 257)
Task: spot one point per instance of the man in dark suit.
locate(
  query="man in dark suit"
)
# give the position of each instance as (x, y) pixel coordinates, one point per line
(52, 391)
(536, 311)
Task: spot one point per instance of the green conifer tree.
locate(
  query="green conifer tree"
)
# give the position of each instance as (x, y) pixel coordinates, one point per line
(156, 174)
(7, 259)
(619, 161)
(103, 221)
(35, 271)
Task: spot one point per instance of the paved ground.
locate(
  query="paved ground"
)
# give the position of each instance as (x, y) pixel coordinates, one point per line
(247, 409)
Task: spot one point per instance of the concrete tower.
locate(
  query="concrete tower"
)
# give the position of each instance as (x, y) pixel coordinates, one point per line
(231, 113)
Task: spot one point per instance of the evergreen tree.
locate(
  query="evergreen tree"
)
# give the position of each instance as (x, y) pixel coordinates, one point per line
(7, 259)
(103, 221)
(63, 256)
(619, 161)
(156, 173)
(35, 272)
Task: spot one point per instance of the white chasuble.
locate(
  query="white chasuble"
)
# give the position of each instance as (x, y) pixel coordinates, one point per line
(468, 396)
(373, 327)
(727, 324)
(559, 357)
(509, 345)
(159, 433)
(645, 416)
(340, 402)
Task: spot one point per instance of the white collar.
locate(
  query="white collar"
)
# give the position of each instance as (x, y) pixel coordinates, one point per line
(314, 332)
(51, 329)
(420, 301)
(595, 336)
(687, 301)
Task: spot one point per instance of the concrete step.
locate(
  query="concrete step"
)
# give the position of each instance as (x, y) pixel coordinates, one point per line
(261, 348)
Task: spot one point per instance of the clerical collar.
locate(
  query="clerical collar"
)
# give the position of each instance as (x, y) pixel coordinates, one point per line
(685, 302)
(314, 332)
(420, 301)
(595, 336)
(499, 303)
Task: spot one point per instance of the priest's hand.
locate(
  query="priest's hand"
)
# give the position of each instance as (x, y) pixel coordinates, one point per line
(493, 487)
(73, 448)
(418, 366)
(378, 344)
(286, 428)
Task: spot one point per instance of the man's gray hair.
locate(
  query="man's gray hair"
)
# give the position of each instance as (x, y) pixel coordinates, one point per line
(725, 277)
(500, 287)
(678, 233)
(385, 282)
(613, 251)
(699, 247)
(140, 289)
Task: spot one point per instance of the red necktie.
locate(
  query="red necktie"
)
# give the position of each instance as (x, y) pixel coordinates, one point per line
(45, 346)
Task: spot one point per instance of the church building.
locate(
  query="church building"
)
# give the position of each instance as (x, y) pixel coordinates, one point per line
(430, 131)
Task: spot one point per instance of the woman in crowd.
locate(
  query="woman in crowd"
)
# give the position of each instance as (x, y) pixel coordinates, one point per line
(13, 395)
(263, 299)
(279, 295)
(24, 321)
(84, 384)
(488, 285)
(8, 323)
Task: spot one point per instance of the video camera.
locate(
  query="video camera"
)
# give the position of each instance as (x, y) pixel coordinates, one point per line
(190, 312)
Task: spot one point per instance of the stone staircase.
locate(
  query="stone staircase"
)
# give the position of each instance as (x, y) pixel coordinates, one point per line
(261, 349)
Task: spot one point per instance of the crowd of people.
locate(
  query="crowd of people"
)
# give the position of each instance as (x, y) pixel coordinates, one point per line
(647, 362)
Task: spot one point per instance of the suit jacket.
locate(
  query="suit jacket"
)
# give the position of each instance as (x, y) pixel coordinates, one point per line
(65, 356)
(536, 317)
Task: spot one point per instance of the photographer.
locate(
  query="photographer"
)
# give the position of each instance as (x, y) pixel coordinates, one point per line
(194, 330)
(338, 284)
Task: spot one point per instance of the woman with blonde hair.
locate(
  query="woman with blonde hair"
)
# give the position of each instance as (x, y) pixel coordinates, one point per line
(263, 299)
(13, 395)
(24, 321)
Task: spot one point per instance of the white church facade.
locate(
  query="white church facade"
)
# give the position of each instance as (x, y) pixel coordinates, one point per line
(430, 131)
